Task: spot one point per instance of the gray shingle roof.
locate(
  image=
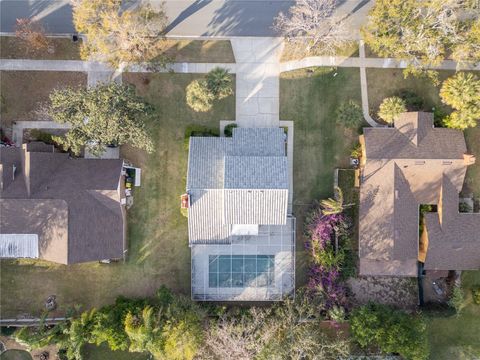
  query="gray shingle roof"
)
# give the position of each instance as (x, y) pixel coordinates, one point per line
(238, 180)
(256, 172)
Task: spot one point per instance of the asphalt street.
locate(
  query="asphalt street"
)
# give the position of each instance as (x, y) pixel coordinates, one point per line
(186, 18)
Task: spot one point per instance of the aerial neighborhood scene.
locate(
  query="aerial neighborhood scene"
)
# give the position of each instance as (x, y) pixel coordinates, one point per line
(239, 179)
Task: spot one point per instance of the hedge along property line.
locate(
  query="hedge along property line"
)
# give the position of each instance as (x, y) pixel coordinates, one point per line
(199, 130)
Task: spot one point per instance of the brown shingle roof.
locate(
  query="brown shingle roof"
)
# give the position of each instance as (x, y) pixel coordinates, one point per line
(89, 190)
(405, 167)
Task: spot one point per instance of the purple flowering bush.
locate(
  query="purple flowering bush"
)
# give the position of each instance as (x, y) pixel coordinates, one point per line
(324, 273)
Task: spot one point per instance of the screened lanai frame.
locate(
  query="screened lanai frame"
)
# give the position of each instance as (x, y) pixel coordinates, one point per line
(276, 240)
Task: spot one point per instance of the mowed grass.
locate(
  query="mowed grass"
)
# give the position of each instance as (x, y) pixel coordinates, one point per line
(457, 337)
(24, 92)
(214, 51)
(157, 232)
(383, 83)
(60, 49)
(217, 51)
(310, 99)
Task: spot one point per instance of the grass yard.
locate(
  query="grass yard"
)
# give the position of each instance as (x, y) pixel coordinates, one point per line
(458, 337)
(157, 232)
(22, 92)
(102, 352)
(214, 51)
(295, 52)
(310, 99)
(383, 83)
(62, 49)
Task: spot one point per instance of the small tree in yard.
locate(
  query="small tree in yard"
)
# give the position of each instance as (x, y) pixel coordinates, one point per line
(201, 93)
(457, 299)
(119, 34)
(312, 26)
(349, 114)
(32, 35)
(219, 83)
(391, 108)
(333, 206)
(101, 116)
(198, 97)
(392, 330)
(462, 92)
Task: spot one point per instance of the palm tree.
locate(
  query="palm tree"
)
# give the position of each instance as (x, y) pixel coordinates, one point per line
(391, 108)
(461, 91)
(219, 83)
(333, 206)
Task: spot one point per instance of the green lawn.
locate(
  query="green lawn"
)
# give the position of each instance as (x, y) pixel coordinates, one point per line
(383, 83)
(458, 337)
(103, 352)
(159, 253)
(310, 99)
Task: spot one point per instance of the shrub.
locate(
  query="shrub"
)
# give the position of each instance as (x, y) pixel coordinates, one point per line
(464, 207)
(392, 330)
(199, 98)
(349, 114)
(356, 152)
(228, 131)
(219, 83)
(413, 102)
(456, 300)
(391, 108)
(476, 295)
(199, 130)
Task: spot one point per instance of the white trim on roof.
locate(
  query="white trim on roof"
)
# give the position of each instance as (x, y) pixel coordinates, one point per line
(19, 246)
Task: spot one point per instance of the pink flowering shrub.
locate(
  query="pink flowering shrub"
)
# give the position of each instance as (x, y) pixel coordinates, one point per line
(324, 273)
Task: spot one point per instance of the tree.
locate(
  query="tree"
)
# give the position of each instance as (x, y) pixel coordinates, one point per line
(79, 333)
(333, 206)
(462, 92)
(119, 34)
(32, 35)
(311, 24)
(201, 93)
(422, 32)
(350, 114)
(392, 330)
(457, 299)
(105, 115)
(110, 319)
(198, 97)
(391, 108)
(219, 83)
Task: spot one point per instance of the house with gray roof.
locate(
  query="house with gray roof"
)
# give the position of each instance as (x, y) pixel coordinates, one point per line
(403, 167)
(241, 234)
(60, 209)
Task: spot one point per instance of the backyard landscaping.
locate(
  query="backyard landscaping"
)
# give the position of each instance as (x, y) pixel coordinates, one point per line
(22, 92)
(310, 98)
(456, 337)
(157, 232)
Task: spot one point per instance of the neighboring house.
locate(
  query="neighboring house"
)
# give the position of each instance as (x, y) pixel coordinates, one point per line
(241, 235)
(60, 209)
(403, 167)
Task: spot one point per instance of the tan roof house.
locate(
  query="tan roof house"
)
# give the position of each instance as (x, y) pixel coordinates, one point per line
(404, 166)
(59, 209)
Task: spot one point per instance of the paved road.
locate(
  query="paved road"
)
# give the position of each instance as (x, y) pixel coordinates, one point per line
(187, 17)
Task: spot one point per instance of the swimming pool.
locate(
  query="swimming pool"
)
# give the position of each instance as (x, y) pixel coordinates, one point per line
(241, 270)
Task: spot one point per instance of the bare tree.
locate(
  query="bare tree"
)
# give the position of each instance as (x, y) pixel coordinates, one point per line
(312, 25)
